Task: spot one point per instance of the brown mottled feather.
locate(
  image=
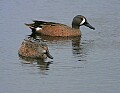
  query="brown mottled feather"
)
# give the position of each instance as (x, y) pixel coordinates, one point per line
(59, 30)
(54, 29)
(32, 50)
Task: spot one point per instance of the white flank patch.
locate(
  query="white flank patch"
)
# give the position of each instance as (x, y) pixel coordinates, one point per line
(83, 21)
(44, 51)
(38, 28)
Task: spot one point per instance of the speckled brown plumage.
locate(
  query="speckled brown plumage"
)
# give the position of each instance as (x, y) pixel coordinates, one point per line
(57, 29)
(33, 50)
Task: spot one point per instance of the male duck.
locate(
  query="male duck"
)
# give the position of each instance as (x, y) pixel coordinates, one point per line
(31, 48)
(57, 29)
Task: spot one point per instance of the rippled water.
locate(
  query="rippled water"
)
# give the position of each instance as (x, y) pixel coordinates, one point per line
(90, 64)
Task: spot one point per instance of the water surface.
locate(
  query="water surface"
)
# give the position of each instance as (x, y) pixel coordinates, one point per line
(90, 64)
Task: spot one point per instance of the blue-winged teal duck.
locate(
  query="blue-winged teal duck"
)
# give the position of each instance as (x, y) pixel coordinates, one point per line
(31, 48)
(57, 29)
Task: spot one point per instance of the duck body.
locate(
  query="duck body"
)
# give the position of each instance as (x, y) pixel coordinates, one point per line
(34, 49)
(57, 29)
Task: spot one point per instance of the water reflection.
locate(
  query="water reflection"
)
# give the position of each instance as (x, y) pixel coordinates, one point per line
(41, 64)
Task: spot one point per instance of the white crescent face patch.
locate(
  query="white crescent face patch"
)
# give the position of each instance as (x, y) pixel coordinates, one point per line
(83, 21)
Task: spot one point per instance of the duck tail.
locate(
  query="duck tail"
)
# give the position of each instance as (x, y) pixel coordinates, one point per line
(32, 27)
(29, 25)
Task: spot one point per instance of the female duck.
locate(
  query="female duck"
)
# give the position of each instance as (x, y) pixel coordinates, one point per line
(31, 48)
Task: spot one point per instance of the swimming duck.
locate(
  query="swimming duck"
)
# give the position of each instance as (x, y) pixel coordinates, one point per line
(31, 48)
(58, 29)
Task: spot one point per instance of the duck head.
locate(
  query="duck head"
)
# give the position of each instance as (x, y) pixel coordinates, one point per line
(80, 20)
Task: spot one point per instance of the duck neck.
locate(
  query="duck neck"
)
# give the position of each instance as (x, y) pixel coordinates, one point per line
(75, 26)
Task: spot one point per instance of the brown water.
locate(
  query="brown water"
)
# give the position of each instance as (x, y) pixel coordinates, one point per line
(87, 65)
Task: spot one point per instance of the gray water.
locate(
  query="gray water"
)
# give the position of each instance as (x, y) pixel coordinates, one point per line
(89, 65)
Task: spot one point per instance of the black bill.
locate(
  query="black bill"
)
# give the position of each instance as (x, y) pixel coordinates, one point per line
(88, 25)
(48, 55)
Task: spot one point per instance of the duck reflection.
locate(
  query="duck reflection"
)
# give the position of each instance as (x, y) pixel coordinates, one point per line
(41, 64)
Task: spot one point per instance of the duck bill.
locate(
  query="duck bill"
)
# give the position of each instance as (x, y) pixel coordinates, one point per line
(88, 25)
(48, 55)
